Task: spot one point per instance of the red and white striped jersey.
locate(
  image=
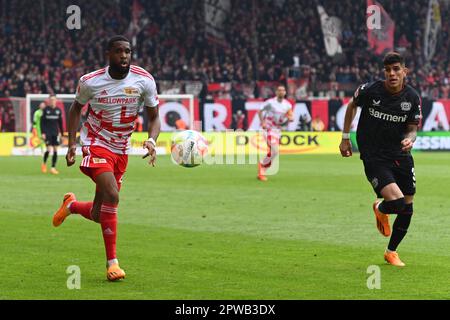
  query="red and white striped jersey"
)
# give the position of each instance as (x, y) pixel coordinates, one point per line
(114, 106)
(275, 113)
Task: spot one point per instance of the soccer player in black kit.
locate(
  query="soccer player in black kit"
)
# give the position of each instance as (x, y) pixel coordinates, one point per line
(52, 129)
(387, 129)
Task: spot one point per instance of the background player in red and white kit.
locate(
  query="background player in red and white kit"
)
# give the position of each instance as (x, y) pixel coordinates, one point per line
(274, 114)
(115, 94)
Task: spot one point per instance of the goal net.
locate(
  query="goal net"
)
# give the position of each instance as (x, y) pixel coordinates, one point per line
(176, 112)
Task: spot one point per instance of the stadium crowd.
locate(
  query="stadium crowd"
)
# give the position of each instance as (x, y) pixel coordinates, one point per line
(39, 54)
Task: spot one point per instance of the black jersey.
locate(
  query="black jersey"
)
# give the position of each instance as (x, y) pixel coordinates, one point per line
(51, 121)
(384, 119)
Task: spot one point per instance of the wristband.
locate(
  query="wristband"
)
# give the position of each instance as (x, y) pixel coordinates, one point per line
(345, 135)
(152, 141)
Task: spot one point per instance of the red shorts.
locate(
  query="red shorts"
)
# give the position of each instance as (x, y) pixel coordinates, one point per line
(272, 137)
(97, 160)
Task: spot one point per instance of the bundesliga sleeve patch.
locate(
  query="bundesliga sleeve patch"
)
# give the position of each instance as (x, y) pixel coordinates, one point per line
(361, 87)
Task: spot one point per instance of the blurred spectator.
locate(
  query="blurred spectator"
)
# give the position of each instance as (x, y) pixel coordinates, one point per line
(317, 124)
(7, 119)
(40, 56)
(332, 126)
(304, 123)
(239, 121)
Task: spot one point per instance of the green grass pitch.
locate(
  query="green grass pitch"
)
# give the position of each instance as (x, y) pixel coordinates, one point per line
(215, 232)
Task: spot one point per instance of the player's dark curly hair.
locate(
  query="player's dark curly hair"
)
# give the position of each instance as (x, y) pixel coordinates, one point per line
(116, 38)
(393, 57)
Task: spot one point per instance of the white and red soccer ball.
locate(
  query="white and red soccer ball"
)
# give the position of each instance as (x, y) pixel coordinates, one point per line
(188, 148)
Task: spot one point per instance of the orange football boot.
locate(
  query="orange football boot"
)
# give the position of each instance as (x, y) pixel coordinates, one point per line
(382, 220)
(261, 173)
(54, 171)
(392, 258)
(43, 168)
(114, 273)
(63, 211)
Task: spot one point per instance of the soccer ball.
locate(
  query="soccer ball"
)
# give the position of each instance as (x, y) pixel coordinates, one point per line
(189, 148)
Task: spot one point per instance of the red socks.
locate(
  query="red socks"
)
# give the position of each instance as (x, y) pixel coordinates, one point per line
(108, 221)
(83, 208)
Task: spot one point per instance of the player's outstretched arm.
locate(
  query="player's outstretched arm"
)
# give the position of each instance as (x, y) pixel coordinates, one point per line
(72, 127)
(154, 127)
(346, 146)
(410, 137)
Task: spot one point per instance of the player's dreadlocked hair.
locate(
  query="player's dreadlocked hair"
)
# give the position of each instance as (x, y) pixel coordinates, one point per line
(393, 57)
(116, 38)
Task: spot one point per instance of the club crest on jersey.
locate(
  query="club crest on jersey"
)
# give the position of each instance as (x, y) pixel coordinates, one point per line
(376, 103)
(130, 91)
(374, 182)
(406, 106)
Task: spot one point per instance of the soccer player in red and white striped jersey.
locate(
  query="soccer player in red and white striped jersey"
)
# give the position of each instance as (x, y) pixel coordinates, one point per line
(115, 94)
(274, 114)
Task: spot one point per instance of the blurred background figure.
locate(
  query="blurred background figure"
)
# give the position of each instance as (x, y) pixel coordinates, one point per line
(317, 124)
(239, 121)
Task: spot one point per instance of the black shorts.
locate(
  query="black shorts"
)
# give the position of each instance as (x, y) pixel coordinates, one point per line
(52, 140)
(380, 173)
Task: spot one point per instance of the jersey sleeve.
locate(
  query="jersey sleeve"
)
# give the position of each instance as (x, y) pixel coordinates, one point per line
(84, 93)
(265, 105)
(359, 97)
(150, 94)
(288, 107)
(415, 116)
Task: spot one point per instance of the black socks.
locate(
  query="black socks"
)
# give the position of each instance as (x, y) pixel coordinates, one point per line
(400, 227)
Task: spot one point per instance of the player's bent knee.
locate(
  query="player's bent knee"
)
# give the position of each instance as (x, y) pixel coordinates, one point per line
(95, 214)
(393, 206)
(409, 199)
(398, 205)
(111, 196)
(408, 209)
